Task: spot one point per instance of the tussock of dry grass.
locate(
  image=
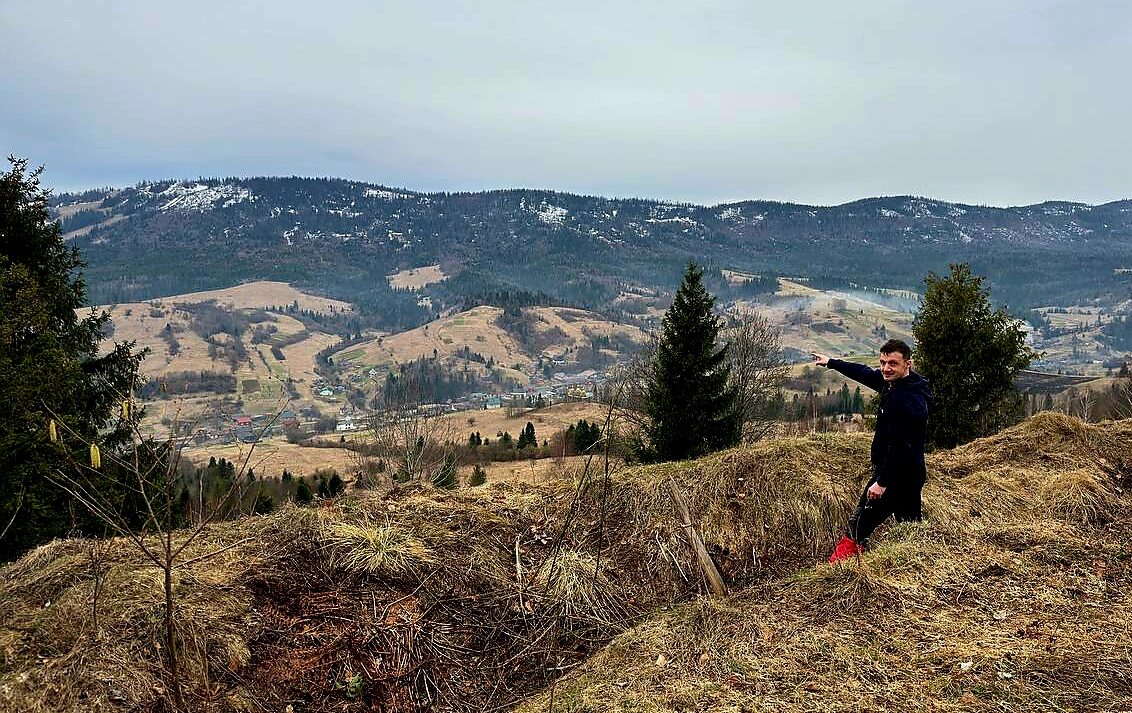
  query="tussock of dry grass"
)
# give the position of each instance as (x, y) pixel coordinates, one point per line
(380, 549)
(1086, 497)
(996, 602)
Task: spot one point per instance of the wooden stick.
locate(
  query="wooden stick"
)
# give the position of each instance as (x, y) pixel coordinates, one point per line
(706, 564)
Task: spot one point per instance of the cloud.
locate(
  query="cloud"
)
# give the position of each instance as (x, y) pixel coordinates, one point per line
(999, 103)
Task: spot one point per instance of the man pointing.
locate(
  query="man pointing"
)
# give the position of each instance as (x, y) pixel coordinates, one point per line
(898, 445)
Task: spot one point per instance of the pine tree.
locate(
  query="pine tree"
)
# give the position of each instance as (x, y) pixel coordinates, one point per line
(691, 410)
(303, 493)
(51, 367)
(445, 476)
(527, 437)
(479, 476)
(263, 504)
(970, 355)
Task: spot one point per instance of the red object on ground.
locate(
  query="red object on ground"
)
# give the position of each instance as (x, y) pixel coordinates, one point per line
(845, 549)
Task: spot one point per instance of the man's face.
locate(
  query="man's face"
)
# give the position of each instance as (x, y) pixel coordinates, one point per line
(894, 366)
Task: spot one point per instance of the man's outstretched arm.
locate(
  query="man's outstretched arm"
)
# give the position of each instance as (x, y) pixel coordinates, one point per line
(857, 372)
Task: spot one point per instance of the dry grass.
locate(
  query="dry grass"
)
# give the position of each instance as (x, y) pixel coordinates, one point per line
(382, 549)
(416, 278)
(476, 329)
(546, 421)
(831, 322)
(480, 598)
(272, 456)
(262, 294)
(998, 602)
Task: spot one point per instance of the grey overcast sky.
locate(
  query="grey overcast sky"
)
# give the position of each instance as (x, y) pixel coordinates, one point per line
(820, 101)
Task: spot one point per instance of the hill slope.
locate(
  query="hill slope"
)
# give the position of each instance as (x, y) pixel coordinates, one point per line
(344, 238)
(476, 599)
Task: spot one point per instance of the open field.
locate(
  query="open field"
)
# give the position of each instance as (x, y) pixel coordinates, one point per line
(261, 378)
(262, 294)
(490, 422)
(474, 328)
(84, 230)
(417, 277)
(543, 471)
(270, 457)
(832, 323)
(556, 332)
(545, 420)
(145, 322)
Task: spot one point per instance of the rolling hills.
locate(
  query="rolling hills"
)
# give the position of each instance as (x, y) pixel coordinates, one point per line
(342, 239)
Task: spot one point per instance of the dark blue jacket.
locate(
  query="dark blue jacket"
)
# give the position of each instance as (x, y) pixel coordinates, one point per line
(902, 423)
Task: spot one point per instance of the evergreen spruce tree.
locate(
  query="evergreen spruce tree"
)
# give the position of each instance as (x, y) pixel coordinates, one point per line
(479, 476)
(51, 366)
(264, 503)
(691, 410)
(970, 355)
(527, 437)
(303, 493)
(445, 476)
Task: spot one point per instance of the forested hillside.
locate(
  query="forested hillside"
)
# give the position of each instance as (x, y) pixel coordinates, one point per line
(342, 238)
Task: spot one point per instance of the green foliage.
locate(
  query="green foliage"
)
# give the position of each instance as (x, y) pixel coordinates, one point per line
(51, 366)
(691, 409)
(330, 484)
(263, 504)
(583, 436)
(527, 437)
(445, 476)
(970, 355)
(479, 476)
(303, 493)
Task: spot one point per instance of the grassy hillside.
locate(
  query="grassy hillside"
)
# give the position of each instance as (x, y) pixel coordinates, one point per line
(490, 597)
(214, 332)
(514, 346)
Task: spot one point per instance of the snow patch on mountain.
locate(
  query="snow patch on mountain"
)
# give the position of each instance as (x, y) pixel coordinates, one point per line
(678, 219)
(382, 194)
(547, 213)
(200, 197)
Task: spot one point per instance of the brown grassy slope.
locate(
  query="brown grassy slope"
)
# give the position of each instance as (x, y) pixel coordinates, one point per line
(1016, 595)
(416, 278)
(831, 322)
(555, 331)
(416, 600)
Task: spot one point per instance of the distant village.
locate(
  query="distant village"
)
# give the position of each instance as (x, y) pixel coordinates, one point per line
(228, 428)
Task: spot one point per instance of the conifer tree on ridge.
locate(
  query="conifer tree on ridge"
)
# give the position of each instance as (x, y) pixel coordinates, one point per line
(691, 408)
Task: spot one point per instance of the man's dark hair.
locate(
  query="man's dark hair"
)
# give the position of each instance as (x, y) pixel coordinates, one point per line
(897, 345)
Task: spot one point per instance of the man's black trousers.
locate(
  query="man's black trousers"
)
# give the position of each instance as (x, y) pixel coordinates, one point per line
(900, 500)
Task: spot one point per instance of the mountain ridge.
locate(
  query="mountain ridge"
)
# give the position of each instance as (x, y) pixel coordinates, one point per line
(338, 236)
